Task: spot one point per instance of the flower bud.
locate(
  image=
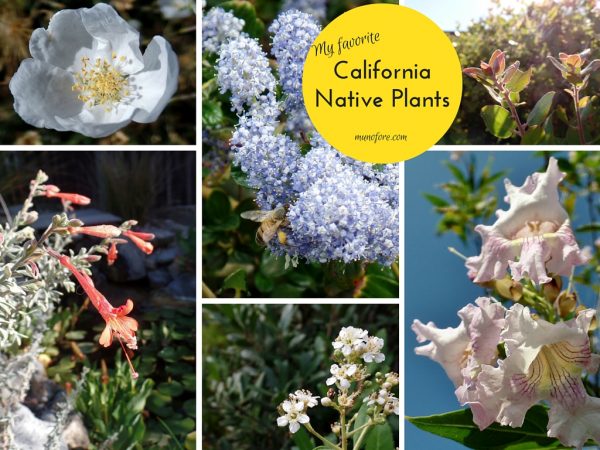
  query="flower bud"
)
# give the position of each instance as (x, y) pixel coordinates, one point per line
(336, 428)
(566, 303)
(509, 288)
(326, 401)
(552, 289)
(594, 322)
(75, 223)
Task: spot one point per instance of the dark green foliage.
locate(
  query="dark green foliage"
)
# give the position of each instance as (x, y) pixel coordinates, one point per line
(254, 356)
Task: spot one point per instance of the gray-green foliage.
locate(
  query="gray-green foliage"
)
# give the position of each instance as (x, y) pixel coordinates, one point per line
(31, 284)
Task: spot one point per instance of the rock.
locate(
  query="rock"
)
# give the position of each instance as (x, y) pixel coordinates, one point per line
(159, 278)
(30, 432)
(163, 237)
(130, 265)
(166, 256)
(41, 389)
(75, 433)
(183, 287)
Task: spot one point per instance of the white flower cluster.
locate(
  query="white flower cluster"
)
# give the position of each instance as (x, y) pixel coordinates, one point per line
(351, 345)
(356, 343)
(384, 398)
(294, 409)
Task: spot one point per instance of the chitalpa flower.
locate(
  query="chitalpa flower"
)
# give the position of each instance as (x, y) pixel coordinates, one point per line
(87, 74)
(293, 415)
(534, 237)
(544, 362)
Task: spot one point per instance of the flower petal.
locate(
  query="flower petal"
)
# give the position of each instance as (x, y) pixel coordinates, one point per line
(43, 94)
(61, 43)
(113, 34)
(573, 427)
(282, 421)
(106, 336)
(294, 426)
(157, 83)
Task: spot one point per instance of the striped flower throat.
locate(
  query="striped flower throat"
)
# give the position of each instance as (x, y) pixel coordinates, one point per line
(102, 83)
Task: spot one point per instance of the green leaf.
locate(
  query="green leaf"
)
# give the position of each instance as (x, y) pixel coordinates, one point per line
(190, 441)
(172, 389)
(498, 121)
(381, 438)
(361, 419)
(459, 426)
(236, 280)
(519, 80)
(541, 109)
(75, 335)
(218, 207)
(240, 177)
(533, 136)
(592, 227)
(212, 114)
(303, 440)
(377, 286)
(436, 201)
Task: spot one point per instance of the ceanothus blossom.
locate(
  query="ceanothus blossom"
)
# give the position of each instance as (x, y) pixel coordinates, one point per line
(218, 27)
(243, 69)
(316, 8)
(87, 74)
(534, 237)
(294, 414)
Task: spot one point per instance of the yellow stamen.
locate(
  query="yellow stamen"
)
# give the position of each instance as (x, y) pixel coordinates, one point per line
(102, 84)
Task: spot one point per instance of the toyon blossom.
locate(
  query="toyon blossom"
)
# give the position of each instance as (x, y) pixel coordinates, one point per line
(87, 74)
(117, 322)
(294, 414)
(350, 340)
(342, 375)
(534, 237)
(52, 191)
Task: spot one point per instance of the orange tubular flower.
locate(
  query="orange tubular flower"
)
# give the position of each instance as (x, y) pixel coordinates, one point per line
(112, 253)
(100, 231)
(52, 191)
(141, 240)
(117, 322)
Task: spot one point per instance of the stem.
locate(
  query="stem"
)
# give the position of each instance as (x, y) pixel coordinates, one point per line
(344, 430)
(325, 441)
(578, 116)
(361, 438)
(395, 269)
(206, 291)
(34, 246)
(368, 424)
(512, 107)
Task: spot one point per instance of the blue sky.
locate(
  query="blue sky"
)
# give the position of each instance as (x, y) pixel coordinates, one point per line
(436, 282)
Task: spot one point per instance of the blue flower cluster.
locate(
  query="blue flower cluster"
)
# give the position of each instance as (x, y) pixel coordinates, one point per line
(218, 27)
(316, 8)
(243, 70)
(337, 208)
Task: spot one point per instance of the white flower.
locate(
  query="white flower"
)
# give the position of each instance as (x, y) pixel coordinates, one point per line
(88, 74)
(371, 350)
(342, 374)
(384, 398)
(294, 415)
(177, 9)
(573, 427)
(306, 397)
(350, 340)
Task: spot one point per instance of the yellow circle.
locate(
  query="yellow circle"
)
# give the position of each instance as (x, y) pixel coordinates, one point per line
(382, 83)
